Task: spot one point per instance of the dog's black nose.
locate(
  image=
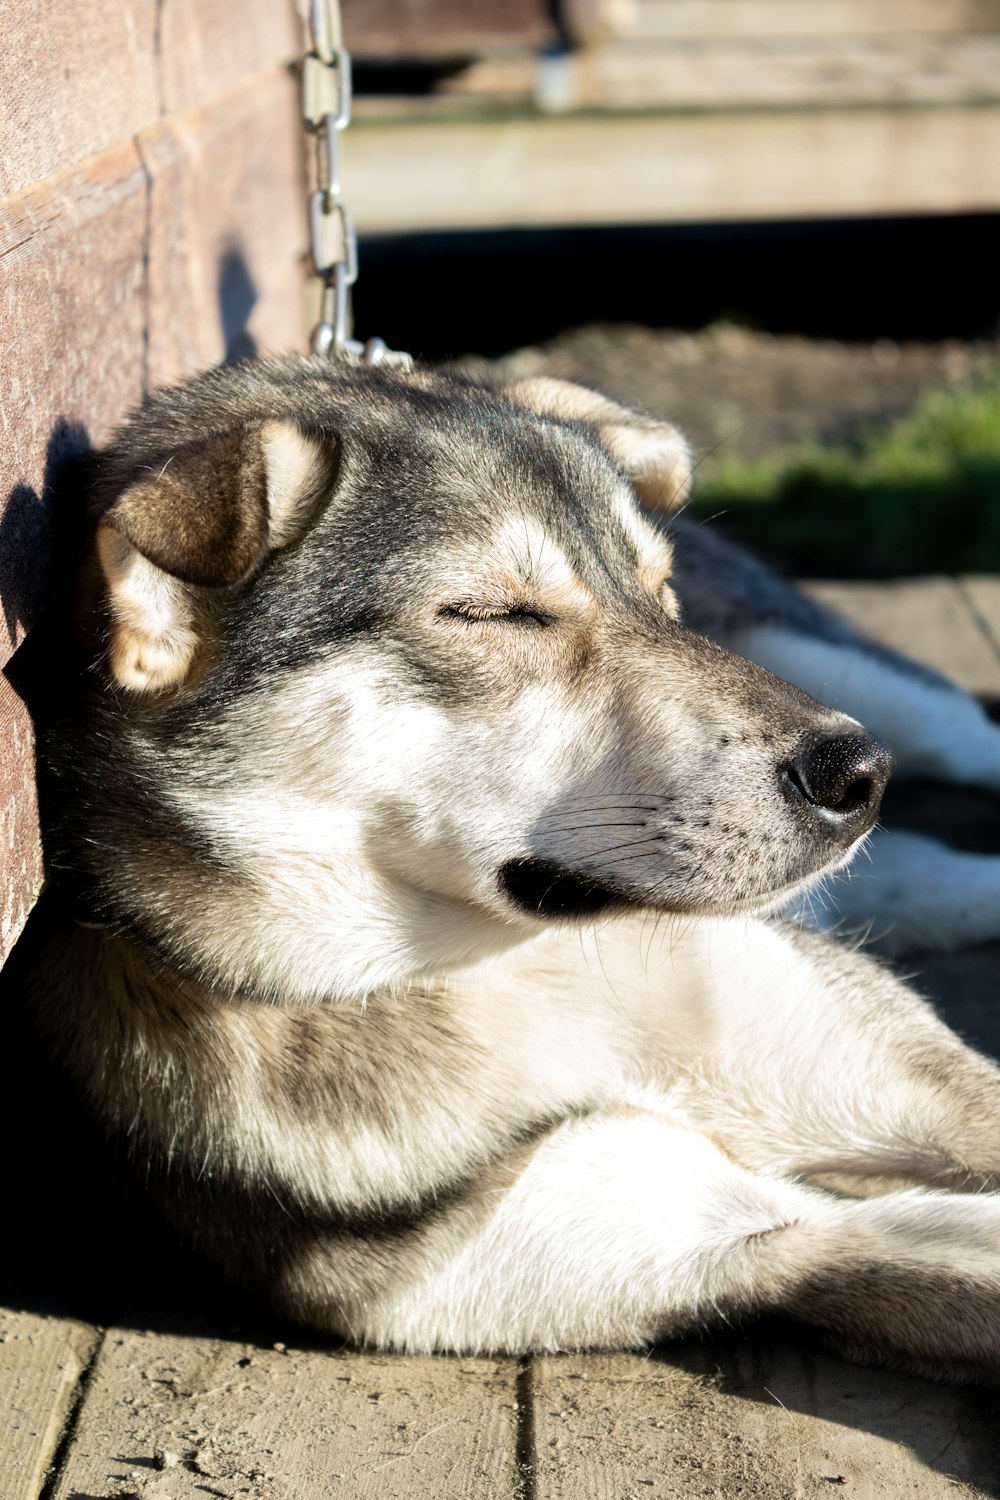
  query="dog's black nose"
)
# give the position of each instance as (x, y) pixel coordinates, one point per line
(840, 780)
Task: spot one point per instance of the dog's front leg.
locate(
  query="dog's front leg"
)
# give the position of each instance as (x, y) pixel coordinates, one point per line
(807, 1057)
(612, 1228)
(625, 1226)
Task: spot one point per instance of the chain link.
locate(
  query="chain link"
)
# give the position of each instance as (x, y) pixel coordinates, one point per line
(326, 111)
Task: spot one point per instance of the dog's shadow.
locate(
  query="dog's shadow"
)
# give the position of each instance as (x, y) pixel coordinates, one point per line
(790, 1419)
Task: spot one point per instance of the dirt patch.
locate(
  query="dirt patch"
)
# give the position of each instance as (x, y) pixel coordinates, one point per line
(753, 392)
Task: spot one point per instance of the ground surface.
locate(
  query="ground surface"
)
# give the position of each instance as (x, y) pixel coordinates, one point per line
(126, 1372)
(750, 392)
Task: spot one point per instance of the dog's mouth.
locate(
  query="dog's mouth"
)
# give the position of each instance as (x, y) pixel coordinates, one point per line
(542, 888)
(545, 889)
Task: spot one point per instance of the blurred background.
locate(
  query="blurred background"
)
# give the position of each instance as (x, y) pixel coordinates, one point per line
(775, 220)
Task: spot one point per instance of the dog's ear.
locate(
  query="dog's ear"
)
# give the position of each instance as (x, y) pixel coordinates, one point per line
(198, 522)
(654, 454)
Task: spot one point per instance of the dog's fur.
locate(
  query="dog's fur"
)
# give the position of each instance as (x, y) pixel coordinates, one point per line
(411, 863)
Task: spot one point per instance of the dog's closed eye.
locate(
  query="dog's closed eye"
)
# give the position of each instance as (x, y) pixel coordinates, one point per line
(473, 611)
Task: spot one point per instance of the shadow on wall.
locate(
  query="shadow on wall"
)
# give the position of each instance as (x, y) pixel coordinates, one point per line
(237, 297)
(33, 527)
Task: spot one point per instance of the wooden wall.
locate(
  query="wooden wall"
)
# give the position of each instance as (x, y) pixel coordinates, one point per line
(152, 221)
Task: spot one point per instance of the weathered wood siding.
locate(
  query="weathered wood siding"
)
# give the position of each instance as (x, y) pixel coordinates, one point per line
(151, 223)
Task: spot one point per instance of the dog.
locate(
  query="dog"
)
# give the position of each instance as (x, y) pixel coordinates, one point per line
(421, 838)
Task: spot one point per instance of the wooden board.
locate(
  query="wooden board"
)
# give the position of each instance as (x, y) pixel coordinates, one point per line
(179, 1417)
(858, 18)
(759, 72)
(41, 1362)
(142, 265)
(75, 79)
(72, 333)
(414, 174)
(208, 46)
(227, 229)
(840, 72)
(762, 1421)
(78, 79)
(402, 28)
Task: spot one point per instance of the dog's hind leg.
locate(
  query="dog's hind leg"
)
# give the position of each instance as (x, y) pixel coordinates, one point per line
(909, 1279)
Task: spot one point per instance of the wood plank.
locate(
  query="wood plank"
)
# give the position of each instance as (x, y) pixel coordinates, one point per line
(757, 73)
(20, 850)
(71, 331)
(403, 28)
(692, 18)
(739, 74)
(207, 46)
(78, 80)
(75, 80)
(227, 229)
(760, 1420)
(419, 174)
(177, 1417)
(41, 1361)
(927, 618)
(72, 342)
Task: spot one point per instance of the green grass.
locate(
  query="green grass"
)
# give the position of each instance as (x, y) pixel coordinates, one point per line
(918, 495)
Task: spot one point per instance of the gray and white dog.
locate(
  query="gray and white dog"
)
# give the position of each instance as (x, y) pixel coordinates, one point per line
(414, 876)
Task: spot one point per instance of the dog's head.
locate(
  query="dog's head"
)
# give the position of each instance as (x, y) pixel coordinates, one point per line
(393, 672)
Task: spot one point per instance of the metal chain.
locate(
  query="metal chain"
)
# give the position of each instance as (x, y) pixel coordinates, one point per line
(326, 110)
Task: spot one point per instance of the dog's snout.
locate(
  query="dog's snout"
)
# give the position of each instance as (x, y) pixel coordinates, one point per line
(840, 779)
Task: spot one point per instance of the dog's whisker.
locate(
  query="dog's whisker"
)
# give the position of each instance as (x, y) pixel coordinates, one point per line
(559, 827)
